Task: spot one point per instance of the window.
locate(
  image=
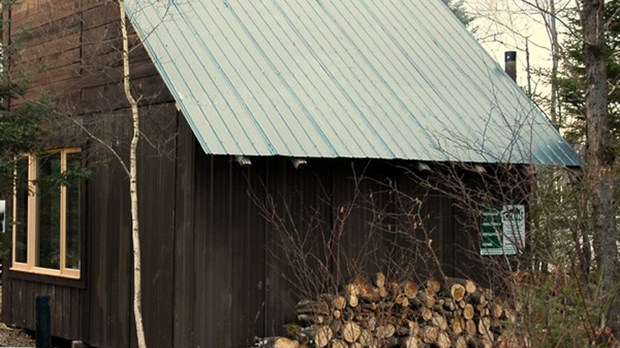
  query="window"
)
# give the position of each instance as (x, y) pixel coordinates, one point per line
(46, 214)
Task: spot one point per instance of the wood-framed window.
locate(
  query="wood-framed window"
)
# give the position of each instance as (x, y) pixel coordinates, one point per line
(46, 214)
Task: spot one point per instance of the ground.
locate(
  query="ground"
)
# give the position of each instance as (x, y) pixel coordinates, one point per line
(10, 337)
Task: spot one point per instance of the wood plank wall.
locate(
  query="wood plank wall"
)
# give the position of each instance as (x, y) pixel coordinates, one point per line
(233, 280)
(214, 272)
(70, 49)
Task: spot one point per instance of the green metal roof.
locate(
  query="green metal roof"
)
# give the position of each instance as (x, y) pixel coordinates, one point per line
(341, 78)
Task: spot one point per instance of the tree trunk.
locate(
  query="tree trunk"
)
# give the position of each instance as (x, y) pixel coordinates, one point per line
(133, 184)
(555, 111)
(600, 156)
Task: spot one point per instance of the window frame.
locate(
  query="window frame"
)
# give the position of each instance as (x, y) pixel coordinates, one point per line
(30, 266)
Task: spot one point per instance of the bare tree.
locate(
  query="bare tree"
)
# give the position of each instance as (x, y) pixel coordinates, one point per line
(133, 182)
(511, 25)
(600, 157)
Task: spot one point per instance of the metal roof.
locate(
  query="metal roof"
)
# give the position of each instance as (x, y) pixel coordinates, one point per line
(341, 78)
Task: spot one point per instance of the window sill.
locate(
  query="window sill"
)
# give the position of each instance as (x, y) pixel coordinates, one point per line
(59, 280)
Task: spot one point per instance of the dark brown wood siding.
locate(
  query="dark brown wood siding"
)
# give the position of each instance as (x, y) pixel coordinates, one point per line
(214, 270)
(234, 279)
(70, 49)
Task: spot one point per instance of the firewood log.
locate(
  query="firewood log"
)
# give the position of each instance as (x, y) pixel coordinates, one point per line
(339, 344)
(383, 292)
(488, 293)
(429, 334)
(497, 308)
(457, 325)
(365, 290)
(450, 305)
(414, 328)
(367, 339)
(339, 302)
(433, 285)
(371, 322)
(484, 343)
(439, 321)
(353, 300)
(455, 313)
(470, 286)
(484, 327)
(402, 300)
(483, 310)
(427, 300)
(478, 298)
(470, 327)
(468, 311)
(410, 289)
(395, 288)
(284, 342)
(457, 291)
(385, 331)
(412, 342)
(443, 340)
(426, 313)
(352, 295)
(277, 342)
(461, 342)
(369, 294)
(323, 335)
(351, 331)
(380, 280)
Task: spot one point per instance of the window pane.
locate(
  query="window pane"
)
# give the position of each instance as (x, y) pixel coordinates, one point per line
(48, 194)
(21, 210)
(72, 258)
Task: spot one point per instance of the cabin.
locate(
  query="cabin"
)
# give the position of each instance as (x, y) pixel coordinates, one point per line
(267, 126)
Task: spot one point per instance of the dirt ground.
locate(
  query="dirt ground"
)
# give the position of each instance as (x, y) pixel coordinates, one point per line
(10, 337)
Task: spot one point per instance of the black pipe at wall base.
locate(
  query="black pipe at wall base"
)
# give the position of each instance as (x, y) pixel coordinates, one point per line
(42, 322)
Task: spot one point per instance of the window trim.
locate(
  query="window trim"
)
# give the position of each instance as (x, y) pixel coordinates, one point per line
(30, 266)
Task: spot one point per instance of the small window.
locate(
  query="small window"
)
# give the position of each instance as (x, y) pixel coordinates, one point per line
(46, 230)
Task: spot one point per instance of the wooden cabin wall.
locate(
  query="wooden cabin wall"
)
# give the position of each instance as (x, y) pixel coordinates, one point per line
(214, 272)
(70, 50)
(233, 279)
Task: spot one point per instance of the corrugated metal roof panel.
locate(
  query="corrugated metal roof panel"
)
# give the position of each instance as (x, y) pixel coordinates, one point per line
(312, 78)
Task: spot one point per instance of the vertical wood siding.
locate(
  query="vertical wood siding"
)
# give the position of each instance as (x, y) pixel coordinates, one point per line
(214, 272)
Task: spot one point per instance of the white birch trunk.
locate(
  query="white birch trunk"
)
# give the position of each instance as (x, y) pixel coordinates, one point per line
(133, 187)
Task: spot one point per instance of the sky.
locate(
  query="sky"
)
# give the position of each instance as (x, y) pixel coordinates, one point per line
(504, 25)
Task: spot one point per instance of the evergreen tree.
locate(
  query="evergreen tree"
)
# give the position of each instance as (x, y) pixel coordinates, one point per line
(459, 11)
(21, 128)
(571, 80)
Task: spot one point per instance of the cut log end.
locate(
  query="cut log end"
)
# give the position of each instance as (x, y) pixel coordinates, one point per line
(457, 291)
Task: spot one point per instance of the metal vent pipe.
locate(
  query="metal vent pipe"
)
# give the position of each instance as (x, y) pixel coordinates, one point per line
(510, 64)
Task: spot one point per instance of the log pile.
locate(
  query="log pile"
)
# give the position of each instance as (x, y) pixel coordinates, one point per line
(380, 314)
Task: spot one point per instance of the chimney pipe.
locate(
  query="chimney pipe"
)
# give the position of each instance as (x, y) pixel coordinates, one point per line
(510, 61)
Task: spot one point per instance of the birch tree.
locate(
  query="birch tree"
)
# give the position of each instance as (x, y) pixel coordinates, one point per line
(133, 180)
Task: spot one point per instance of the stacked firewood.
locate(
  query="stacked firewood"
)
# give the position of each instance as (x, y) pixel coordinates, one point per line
(456, 313)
